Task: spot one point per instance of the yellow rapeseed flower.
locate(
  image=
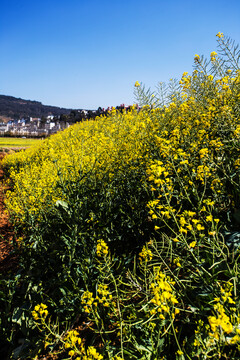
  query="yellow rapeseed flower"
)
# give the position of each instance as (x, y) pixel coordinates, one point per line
(145, 255)
(220, 35)
(40, 312)
(196, 58)
(102, 248)
(192, 244)
(71, 353)
(213, 54)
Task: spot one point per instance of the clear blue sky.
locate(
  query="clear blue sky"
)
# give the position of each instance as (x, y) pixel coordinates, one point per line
(89, 53)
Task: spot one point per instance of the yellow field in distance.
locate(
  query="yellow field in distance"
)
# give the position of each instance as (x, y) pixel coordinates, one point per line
(11, 142)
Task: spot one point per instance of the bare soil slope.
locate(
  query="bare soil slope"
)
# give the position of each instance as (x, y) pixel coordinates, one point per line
(8, 260)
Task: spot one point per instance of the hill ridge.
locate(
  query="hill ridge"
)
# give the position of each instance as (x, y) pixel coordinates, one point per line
(13, 107)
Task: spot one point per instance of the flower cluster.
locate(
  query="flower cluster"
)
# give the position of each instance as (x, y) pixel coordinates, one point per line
(222, 329)
(102, 248)
(40, 312)
(74, 344)
(213, 56)
(163, 297)
(220, 321)
(145, 255)
(103, 297)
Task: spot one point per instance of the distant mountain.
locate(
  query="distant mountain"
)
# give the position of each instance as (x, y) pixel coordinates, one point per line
(15, 108)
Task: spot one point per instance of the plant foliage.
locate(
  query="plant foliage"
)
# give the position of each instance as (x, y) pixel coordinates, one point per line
(128, 228)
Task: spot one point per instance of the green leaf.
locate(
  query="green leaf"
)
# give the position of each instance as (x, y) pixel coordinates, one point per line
(62, 204)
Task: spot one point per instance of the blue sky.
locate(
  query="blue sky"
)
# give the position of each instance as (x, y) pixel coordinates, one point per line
(89, 53)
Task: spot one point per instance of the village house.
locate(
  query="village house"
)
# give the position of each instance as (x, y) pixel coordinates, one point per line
(33, 127)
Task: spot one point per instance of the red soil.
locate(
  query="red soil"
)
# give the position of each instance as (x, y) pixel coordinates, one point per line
(8, 260)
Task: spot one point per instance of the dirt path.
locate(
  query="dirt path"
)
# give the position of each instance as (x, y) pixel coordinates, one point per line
(8, 260)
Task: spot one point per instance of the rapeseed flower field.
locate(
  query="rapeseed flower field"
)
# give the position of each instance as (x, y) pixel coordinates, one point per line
(127, 227)
(10, 142)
